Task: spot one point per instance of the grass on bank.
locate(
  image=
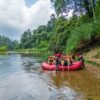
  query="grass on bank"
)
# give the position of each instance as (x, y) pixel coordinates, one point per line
(3, 49)
(37, 52)
(93, 63)
(93, 56)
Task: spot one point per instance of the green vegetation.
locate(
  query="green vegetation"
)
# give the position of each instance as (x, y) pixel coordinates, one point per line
(7, 44)
(63, 34)
(42, 53)
(3, 49)
(94, 63)
(73, 34)
(93, 54)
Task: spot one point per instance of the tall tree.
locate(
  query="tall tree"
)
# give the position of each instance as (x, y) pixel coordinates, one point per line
(78, 6)
(25, 39)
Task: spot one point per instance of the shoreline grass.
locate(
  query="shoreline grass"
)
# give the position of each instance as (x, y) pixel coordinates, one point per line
(94, 63)
(42, 53)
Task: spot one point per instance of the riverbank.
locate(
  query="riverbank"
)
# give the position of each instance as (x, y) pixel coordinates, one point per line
(92, 58)
(3, 52)
(93, 69)
(92, 61)
(43, 53)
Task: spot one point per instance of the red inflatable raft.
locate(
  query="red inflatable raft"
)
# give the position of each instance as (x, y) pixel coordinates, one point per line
(74, 66)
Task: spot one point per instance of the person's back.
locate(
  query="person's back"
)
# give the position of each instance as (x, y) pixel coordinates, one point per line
(65, 62)
(57, 60)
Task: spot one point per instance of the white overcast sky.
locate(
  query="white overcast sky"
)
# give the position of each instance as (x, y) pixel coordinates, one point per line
(16, 16)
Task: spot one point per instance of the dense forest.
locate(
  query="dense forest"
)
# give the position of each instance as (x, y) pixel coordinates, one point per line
(67, 34)
(64, 33)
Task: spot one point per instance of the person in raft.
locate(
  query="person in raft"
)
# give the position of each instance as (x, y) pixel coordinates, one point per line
(50, 60)
(63, 60)
(80, 58)
(59, 54)
(57, 62)
(57, 59)
(69, 60)
(66, 60)
(73, 57)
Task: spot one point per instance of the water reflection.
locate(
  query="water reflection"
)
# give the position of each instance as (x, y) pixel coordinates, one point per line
(16, 84)
(30, 64)
(21, 78)
(22, 86)
(81, 81)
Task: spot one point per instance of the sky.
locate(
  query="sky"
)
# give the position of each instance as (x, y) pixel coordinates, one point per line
(16, 16)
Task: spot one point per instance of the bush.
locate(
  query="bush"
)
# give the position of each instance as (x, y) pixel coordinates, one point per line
(42, 44)
(79, 35)
(3, 48)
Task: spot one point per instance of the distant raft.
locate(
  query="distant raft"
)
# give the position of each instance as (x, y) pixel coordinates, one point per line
(74, 66)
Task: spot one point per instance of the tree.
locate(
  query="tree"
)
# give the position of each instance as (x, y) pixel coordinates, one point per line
(78, 7)
(25, 39)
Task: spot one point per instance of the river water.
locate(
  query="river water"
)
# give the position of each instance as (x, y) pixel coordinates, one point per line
(21, 78)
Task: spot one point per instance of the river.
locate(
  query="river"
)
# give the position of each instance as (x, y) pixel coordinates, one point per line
(21, 78)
